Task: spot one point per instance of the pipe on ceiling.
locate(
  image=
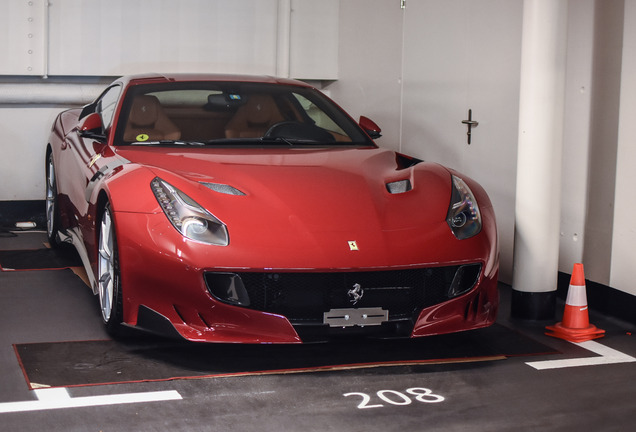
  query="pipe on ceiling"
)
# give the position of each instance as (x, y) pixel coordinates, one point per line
(49, 93)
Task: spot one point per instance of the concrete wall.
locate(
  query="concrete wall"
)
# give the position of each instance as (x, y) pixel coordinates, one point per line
(370, 64)
(624, 229)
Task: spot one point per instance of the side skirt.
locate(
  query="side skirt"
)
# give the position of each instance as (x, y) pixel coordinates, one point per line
(74, 238)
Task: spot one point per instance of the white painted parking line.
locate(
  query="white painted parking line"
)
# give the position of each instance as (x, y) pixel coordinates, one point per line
(607, 356)
(58, 398)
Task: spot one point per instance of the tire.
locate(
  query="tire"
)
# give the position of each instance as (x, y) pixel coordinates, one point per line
(52, 207)
(108, 275)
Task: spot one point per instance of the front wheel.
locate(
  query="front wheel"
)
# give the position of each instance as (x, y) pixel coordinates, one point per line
(108, 276)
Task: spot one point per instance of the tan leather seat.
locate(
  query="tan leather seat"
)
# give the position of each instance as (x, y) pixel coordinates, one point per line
(148, 122)
(254, 118)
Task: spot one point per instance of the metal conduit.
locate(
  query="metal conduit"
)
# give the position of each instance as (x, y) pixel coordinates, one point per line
(49, 94)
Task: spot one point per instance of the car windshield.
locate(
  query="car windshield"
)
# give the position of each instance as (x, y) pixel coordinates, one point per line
(233, 114)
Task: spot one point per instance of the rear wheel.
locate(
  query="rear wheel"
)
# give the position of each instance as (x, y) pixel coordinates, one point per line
(108, 276)
(52, 210)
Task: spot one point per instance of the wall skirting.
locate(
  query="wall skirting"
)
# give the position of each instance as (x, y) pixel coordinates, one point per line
(535, 306)
(12, 212)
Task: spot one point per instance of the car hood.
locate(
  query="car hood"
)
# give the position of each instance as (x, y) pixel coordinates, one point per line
(312, 197)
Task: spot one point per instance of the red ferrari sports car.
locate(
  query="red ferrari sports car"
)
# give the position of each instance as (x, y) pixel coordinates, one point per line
(221, 208)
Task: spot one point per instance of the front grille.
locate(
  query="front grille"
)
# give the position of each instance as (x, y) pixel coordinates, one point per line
(304, 297)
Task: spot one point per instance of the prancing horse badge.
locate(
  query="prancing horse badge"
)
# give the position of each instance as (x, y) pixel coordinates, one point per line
(353, 245)
(355, 294)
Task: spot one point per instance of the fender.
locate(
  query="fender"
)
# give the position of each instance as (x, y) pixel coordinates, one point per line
(121, 181)
(105, 171)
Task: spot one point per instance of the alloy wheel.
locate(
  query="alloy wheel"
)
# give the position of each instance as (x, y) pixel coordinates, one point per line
(106, 266)
(51, 198)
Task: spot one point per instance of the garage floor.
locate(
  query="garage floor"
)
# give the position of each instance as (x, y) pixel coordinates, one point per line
(61, 372)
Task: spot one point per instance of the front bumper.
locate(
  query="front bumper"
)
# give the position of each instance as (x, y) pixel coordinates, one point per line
(167, 289)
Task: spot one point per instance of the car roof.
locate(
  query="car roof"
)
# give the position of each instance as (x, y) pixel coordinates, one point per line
(150, 78)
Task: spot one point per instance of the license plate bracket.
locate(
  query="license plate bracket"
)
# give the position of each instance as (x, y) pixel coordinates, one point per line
(351, 317)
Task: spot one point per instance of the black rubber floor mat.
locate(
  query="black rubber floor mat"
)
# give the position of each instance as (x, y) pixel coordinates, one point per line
(67, 364)
(39, 259)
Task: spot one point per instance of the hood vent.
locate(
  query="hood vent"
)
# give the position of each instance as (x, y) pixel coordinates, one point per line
(404, 161)
(398, 187)
(223, 188)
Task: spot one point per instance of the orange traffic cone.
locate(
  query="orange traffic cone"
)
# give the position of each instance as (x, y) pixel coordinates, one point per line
(575, 326)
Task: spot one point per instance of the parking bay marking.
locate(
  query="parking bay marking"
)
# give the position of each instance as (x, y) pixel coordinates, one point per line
(58, 398)
(607, 356)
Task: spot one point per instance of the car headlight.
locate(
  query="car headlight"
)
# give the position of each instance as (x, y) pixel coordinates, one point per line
(188, 217)
(463, 217)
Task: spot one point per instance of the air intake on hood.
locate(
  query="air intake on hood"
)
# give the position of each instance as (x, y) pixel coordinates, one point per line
(223, 188)
(399, 187)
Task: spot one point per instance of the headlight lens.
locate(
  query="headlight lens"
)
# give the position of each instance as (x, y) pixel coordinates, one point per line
(188, 217)
(463, 217)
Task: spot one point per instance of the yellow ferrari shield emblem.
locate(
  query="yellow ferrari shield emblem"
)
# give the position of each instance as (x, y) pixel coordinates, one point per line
(353, 245)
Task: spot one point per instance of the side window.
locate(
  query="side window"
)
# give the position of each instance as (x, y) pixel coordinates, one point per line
(107, 104)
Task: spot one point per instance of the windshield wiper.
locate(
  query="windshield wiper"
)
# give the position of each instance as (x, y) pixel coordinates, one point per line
(168, 143)
(277, 139)
(260, 141)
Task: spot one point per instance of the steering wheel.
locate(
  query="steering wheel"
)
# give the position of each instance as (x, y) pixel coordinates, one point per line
(298, 131)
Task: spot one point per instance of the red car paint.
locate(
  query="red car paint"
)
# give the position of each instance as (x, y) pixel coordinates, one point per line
(300, 209)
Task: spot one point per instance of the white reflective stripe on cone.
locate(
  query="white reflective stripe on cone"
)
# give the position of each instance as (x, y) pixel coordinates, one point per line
(576, 296)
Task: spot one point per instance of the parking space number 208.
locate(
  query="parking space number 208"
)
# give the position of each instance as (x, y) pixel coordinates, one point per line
(392, 397)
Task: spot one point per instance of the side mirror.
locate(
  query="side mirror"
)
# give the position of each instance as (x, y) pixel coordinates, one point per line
(370, 127)
(87, 109)
(92, 127)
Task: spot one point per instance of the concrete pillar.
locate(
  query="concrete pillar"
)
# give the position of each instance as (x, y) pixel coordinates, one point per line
(538, 193)
(283, 38)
